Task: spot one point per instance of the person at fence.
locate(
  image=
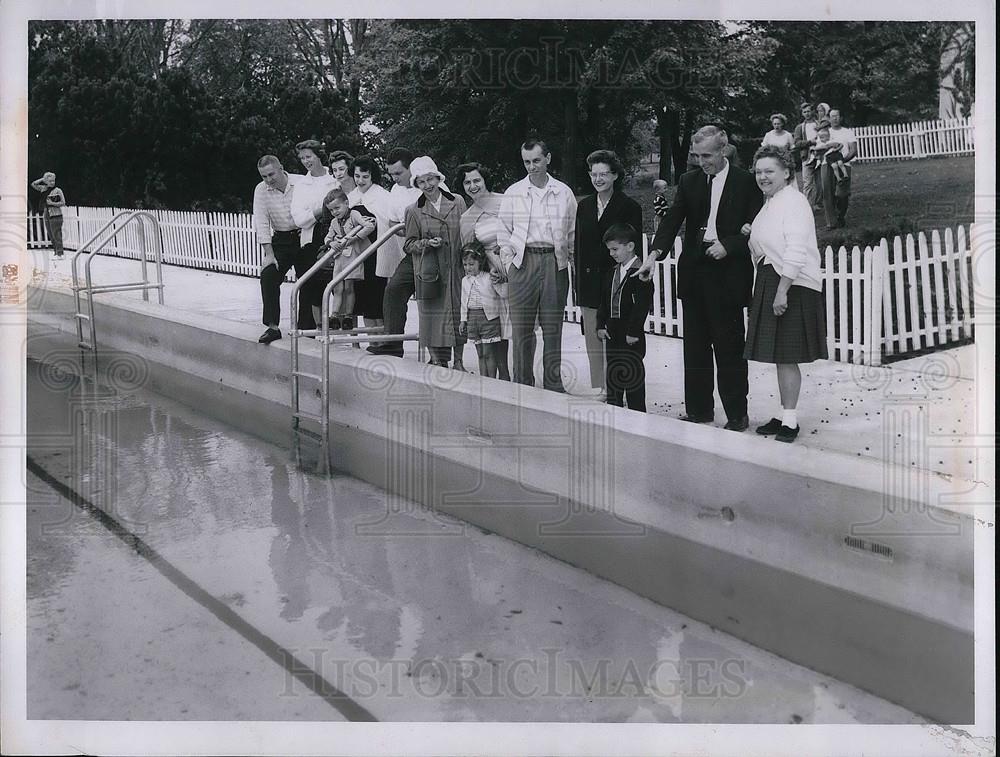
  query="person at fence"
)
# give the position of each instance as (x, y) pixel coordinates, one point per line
(395, 262)
(340, 163)
(714, 276)
(278, 237)
(621, 318)
(595, 214)
(660, 202)
(804, 137)
(307, 205)
(348, 235)
(837, 194)
(52, 202)
(778, 136)
(482, 295)
(480, 223)
(370, 198)
(786, 324)
(433, 238)
(536, 232)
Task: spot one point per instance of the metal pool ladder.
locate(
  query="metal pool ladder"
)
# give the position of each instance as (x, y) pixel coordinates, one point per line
(84, 293)
(321, 438)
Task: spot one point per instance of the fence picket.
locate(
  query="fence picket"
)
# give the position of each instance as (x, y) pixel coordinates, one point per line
(912, 293)
(966, 294)
(856, 282)
(951, 265)
(939, 276)
(922, 283)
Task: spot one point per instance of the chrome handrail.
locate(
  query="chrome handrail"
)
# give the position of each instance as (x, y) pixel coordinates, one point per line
(324, 332)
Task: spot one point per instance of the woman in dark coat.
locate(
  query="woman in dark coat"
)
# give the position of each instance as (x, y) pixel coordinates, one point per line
(594, 215)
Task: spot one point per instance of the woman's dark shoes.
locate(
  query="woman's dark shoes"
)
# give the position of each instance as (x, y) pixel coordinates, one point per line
(334, 323)
(347, 322)
(738, 424)
(786, 434)
(773, 426)
(271, 335)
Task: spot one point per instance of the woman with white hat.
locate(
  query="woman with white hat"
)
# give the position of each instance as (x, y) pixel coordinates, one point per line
(433, 237)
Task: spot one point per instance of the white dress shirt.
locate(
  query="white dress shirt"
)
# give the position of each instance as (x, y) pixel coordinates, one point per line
(718, 184)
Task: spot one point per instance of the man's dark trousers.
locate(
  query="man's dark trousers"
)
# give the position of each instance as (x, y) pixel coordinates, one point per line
(287, 254)
(713, 323)
(395, 301)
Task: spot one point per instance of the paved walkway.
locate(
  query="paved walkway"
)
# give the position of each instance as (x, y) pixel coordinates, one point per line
(919, 412)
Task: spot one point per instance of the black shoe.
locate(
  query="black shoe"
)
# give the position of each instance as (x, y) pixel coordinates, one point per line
(375, 349)
(698, 418)
(334, 323)
(347, 323)
(786, 434)
(773, 426)
(739, 424)
(271, 335)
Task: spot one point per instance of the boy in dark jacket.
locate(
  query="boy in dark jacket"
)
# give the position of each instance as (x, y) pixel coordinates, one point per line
(621, 319)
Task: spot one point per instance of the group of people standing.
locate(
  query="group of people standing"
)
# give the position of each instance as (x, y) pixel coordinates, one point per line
(491, 267)
(823, 149)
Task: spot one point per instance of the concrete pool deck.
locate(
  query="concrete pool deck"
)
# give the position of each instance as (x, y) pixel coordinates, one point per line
(860, 411)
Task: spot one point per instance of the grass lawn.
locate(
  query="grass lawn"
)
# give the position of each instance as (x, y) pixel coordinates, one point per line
(888, 199)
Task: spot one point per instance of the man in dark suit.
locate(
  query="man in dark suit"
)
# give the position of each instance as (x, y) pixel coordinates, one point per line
(595, 214)
(621, 318)
(714, 276)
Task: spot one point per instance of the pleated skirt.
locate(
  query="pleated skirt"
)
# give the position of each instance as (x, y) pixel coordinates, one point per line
(797, 336)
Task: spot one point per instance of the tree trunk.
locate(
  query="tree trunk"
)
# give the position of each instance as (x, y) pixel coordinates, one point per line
(569, 161)
(665, 131)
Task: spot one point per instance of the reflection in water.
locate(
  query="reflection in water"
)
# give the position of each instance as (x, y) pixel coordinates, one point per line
(451, 628)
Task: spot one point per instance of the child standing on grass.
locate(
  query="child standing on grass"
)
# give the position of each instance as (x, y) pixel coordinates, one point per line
(480, 311)
(348, 236)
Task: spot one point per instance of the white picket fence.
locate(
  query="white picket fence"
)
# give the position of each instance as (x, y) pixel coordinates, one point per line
(921, 139)
(877, 304)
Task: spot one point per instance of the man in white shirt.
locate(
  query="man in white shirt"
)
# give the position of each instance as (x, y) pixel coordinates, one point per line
(400, 286)
(537, 224)
(278, 237)
(837, 194)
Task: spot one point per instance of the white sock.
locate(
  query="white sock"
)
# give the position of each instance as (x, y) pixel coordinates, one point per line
(789, 418)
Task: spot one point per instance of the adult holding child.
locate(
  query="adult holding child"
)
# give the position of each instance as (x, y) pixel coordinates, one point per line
(835, 174)
(307, 200)
(595, 214)
(433, 238)
(480, 223)
(371, 199)
(786, 324)
(53, 201)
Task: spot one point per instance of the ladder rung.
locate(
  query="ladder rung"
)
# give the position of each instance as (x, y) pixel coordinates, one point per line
(85, 344)
(303, 374)
(307, 416)
(83, 315)
(308, 432)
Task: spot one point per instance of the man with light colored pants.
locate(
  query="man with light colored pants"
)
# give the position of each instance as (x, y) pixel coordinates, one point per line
(805, 137)
(536, 230)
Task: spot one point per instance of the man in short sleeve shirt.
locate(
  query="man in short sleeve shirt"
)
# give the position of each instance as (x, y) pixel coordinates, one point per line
(837, 195)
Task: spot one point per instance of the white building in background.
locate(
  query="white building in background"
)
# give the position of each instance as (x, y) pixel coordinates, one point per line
(953, 72)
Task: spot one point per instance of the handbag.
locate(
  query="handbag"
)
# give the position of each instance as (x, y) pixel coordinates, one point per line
(426, 275)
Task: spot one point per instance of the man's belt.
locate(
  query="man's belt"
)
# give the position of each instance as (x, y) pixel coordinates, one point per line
(539, 250)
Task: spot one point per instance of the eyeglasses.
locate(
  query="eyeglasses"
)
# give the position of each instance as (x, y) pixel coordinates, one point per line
(602, 175)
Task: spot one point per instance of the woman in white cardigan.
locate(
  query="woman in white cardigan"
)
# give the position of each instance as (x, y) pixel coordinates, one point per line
(786, 324)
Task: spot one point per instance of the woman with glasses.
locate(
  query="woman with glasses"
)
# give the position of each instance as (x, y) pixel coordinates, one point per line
(594, 215)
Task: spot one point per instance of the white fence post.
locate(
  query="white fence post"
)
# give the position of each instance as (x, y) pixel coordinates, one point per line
(876, 260)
